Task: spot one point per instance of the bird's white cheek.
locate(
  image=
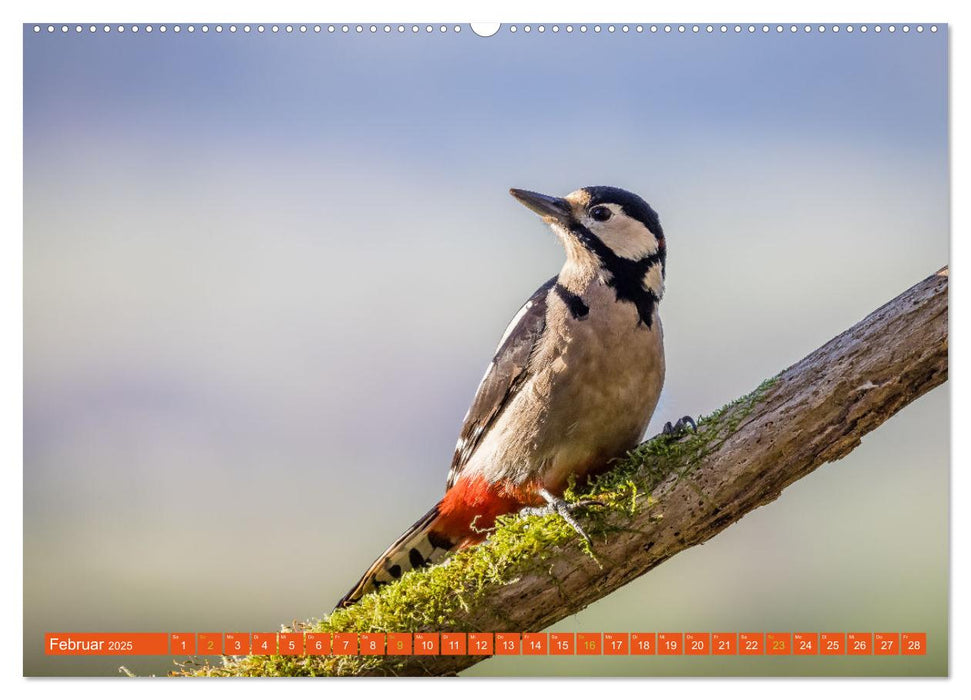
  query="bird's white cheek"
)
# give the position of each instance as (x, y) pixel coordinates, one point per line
(627, 238)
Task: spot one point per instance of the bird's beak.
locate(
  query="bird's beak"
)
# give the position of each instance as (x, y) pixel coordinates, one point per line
(550, 208)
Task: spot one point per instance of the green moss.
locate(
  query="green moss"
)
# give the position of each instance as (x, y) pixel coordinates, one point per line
(432, 599)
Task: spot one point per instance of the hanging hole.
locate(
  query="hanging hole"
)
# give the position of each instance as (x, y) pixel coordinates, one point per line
(485, 29)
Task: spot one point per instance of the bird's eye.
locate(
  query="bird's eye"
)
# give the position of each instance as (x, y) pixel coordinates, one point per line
(600, 213)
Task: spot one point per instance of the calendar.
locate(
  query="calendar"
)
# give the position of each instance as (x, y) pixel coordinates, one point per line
(703, 265)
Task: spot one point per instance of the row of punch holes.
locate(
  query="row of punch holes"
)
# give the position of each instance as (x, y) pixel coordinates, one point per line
(484, 30)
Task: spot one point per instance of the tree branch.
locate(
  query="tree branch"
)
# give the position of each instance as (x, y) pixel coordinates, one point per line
(666, 496)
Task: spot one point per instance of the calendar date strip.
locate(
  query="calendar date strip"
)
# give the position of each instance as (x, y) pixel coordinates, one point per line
(487, 644)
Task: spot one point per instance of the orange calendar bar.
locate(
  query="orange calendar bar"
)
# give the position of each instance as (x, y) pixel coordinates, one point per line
(507, 643)
(562, 643)
(318, 643)
(644, 643)
(724, 644)
(210, 644)
(697, 643)
(343, 644)
(110, 644)
(237, 643)
(183, 643)
(453, 643)
(480, 644)
(264, 643)
(832, 643)
(859, 643)
(399, 643)
(751, 643)
(670, 643)
(778, 643)
(805, 643)
(588, 643)
(488, 643)
(886, 643)
(913, 643)
(426, 643)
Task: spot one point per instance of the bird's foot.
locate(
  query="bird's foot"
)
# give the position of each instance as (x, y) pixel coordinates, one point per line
(680, 428)
(558, 506)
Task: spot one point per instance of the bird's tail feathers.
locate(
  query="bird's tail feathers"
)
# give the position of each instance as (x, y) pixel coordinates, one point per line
(418, 547)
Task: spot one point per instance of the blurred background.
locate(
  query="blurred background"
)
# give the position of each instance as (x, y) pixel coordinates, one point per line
(264, 273)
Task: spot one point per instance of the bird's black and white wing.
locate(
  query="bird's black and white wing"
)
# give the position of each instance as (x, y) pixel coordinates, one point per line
(503, 378)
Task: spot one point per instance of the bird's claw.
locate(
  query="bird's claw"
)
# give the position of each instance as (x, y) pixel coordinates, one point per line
(680, 428)
(558, 506)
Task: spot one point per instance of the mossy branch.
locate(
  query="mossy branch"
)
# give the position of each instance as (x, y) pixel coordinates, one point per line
(665, 496)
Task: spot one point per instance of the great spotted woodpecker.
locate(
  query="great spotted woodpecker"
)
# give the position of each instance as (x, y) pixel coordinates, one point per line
(573, 384)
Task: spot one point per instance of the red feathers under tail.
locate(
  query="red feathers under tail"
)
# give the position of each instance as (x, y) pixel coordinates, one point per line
(462, 518)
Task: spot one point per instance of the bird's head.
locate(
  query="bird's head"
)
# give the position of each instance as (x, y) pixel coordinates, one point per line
(609, 230)
(598, 224)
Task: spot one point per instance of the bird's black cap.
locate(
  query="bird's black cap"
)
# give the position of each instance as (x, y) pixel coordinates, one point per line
(633, 206)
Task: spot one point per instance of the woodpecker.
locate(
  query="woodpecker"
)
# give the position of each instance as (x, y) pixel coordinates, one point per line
(573, 383)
